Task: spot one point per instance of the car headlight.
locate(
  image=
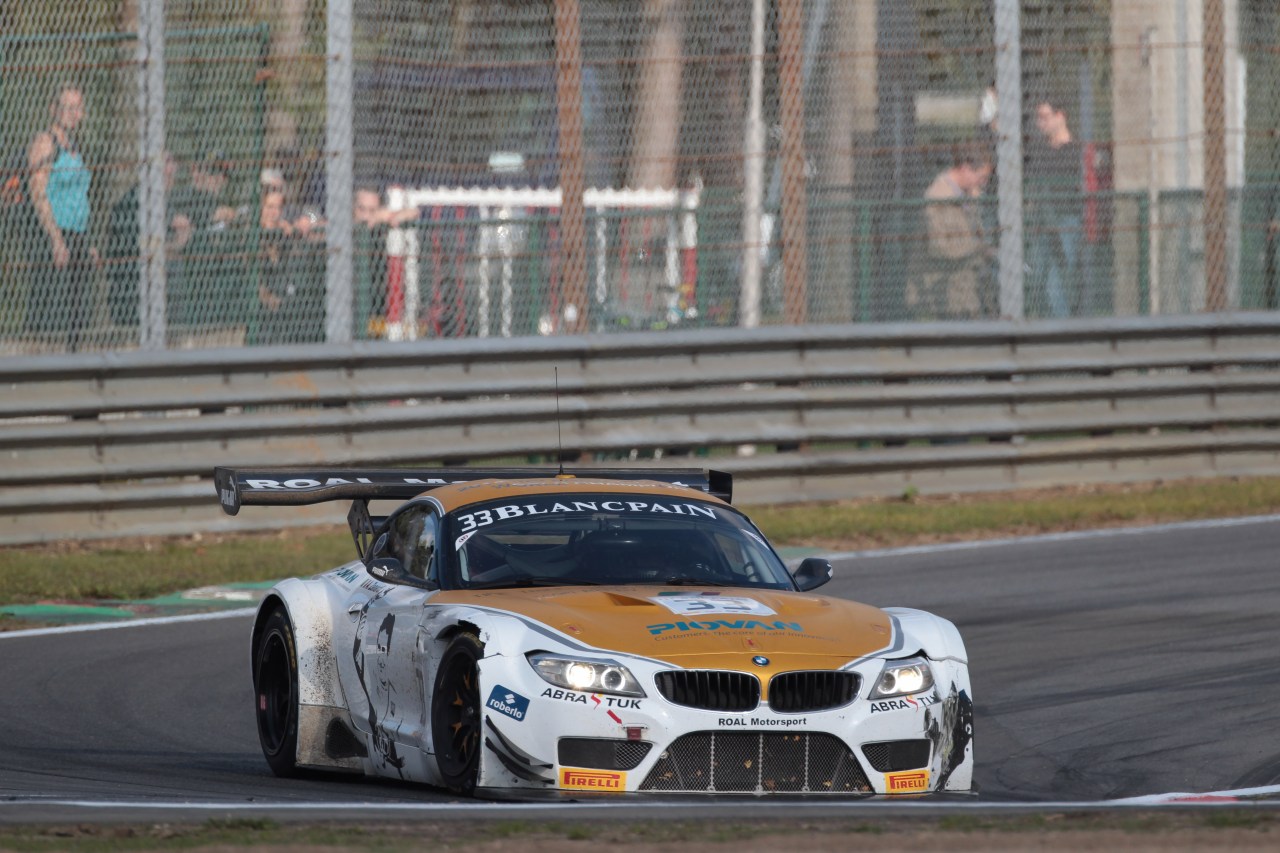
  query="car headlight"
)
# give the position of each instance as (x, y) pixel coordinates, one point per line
(589, 676)
(902, 678)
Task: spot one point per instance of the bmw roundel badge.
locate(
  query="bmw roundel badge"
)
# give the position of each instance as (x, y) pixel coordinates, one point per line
(760, 660)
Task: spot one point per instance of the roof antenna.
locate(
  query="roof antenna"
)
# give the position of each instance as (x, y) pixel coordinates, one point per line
(559, 442)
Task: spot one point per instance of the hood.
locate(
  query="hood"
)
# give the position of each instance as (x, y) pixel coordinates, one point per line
(720, 628)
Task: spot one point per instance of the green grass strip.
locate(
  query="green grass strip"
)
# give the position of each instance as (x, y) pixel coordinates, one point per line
(72, 574)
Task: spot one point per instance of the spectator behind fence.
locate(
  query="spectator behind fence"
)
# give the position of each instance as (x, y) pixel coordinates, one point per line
(369, 210)
(954, 274)
(369, 240)
(61, 300)
(210, 290)
(306, 284)
(290, 296)
(123, 271)
(202, 199)
(372, 220)
(1054, 179)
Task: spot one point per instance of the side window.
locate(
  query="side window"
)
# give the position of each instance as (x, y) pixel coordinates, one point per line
(413, 541)
(405, 530)
(424, 563)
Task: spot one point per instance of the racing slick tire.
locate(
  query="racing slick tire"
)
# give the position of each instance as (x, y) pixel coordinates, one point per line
(275, 688)
(455, 714)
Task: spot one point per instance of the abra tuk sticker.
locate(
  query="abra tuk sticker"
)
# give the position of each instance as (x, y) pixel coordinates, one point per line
(906, 703)
(696, 605)
(912, 782)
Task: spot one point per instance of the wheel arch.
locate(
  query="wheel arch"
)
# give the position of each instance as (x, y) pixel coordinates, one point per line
(312, 619)
(459, 627)
(326, 738)
(933, 635)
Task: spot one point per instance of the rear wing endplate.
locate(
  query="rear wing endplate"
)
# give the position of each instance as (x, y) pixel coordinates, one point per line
(299, 486)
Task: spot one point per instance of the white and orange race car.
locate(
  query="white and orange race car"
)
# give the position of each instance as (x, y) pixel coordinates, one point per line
(507, 632)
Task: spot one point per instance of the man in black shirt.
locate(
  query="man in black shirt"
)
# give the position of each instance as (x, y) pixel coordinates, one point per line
(1055, 165)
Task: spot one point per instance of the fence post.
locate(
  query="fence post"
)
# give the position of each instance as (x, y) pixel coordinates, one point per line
(795, 240)
(1148, 299)
(1009, 155)
(753, 177)
(339, 166)
(573, 233)
(865, 237)
(152, 214)
(1215, 157)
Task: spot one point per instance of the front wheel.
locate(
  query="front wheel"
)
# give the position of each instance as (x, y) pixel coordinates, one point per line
(455, 714)
(275, 688)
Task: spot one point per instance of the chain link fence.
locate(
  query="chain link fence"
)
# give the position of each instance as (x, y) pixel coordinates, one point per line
(197, 173)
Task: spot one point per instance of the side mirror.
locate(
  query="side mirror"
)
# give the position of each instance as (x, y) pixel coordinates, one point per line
(387, 569)
(813, 573)
(391, 570)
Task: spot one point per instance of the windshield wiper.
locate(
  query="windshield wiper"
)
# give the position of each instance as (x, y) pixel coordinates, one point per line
(511, 583)
(681, 581)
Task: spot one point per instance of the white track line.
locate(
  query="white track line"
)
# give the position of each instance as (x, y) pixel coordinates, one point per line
(1208, 799)
(1184, 798)
(128, 623)
(1068, 536)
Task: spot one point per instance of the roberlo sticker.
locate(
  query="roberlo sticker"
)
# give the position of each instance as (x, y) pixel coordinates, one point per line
(508, 702)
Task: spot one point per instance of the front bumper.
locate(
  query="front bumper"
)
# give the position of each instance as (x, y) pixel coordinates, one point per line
(541, 738)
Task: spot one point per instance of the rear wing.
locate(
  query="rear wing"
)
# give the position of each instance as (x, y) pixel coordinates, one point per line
(300, 486)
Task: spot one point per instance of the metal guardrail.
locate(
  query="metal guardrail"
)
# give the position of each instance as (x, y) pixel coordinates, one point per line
(124, 443)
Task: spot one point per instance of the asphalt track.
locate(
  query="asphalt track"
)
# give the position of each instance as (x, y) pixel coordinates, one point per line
(1115, 664)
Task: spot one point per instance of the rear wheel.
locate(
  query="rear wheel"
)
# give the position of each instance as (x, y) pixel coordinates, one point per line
(455, 714)
(275, 688)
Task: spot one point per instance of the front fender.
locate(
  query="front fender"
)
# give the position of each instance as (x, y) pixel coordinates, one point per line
(949, 722)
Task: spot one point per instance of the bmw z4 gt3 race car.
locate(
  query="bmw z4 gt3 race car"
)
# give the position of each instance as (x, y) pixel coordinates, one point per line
(507, 632)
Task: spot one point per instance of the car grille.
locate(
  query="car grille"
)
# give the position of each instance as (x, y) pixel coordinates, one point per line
(891, 756)
(710, 690)
(758, 763)
(602, 753)
(796, 692)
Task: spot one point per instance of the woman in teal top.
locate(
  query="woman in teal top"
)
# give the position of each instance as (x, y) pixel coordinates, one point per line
(61, 299)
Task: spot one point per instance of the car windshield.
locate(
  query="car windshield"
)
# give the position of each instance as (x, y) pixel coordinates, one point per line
(590, 539)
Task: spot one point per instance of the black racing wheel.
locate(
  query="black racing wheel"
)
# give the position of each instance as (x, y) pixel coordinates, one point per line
(455, 714)
(275, 688)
